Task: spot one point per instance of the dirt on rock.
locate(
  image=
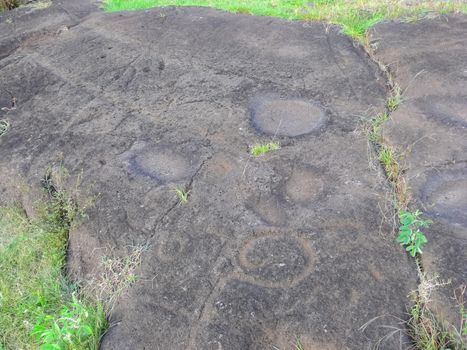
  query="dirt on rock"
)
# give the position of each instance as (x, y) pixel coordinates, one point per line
(290, 245)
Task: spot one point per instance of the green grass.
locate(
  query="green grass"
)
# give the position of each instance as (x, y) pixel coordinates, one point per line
(430, 332)
(260, 149)
(182, 194)
(298, 345)
(355, 16)
(39, 307)
(389, 158)
(374, 127)
(395, 98)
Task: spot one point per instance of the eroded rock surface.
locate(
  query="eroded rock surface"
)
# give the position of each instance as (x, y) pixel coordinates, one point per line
(429, 60)
(269, 249)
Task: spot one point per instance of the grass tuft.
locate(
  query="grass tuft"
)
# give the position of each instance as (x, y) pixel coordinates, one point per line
(374, 128)
(395, 99)
(182, 194)
(298, 345)
(388, 158)
(260, 149)
(69, 206)
(118, 274)
(427, 331)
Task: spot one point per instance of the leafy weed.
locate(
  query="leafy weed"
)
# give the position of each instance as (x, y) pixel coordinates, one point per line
(410, 235)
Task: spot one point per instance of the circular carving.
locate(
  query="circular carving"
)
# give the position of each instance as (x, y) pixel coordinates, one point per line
(160, 164)
(286, 117)
(267, 209)
(276, 261)
(303, 186)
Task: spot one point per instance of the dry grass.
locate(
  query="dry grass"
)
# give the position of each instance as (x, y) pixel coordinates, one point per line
(70, 200)
(423, 327)
(390, 159)
(8, 4)
(427, 330)
(116, 275)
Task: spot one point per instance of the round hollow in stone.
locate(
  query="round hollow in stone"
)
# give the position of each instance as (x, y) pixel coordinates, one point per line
(304, 186)
(268, 210)
(286, 117)
(160, 164)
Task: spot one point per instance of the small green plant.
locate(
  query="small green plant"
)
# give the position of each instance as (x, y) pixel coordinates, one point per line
(395, 99)
(4, 126)
(78, 326)
(182, 194)
(260, 149)
(409, 232)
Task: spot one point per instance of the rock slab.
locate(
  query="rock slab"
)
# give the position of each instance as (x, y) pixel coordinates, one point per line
(429, 61)
(268, 249)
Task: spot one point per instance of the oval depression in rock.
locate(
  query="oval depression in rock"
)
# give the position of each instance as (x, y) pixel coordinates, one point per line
(160, 164)
(286, 117)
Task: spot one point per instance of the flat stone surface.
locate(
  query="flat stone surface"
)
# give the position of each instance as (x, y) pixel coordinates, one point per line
(39, 19)
(267, 249)
(429, 60)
